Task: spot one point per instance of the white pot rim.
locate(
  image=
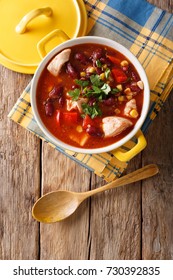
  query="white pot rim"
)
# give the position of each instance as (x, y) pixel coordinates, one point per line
(102, 41)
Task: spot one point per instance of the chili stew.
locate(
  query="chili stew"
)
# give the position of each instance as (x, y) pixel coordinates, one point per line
(89, 96)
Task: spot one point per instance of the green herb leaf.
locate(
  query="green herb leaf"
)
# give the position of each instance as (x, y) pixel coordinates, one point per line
(93, 111)
(74, 94)
(82, 83)
(96, 89)
(96, 81)
(107, 73)
(115, 90)
(98, 63)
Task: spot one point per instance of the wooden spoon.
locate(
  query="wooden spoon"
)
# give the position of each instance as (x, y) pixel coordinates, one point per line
(58, 205)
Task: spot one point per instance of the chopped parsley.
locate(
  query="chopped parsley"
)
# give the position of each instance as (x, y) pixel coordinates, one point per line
(115, 90)
(98, 92)
(74, 94)
(96, 88)
(98, 63)
(93, 111)
(96, 81)
(107, 73)
(82, 83)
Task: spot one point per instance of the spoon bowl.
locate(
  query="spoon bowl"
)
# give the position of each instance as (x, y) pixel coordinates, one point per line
(58, 205)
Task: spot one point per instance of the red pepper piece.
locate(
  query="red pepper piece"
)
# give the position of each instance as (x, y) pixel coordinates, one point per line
(119, 75)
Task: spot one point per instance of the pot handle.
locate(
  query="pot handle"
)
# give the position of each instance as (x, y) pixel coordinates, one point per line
(21, 27)
(126, 156)
(42, 43)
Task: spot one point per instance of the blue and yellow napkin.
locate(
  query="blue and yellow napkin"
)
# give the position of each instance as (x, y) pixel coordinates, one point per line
(148, 32)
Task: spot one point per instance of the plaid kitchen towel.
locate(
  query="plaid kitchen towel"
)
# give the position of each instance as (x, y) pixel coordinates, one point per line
(148, 32)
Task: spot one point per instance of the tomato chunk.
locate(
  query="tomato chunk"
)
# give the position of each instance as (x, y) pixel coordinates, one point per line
(70, 117)
(119, 75)
(66, 117)
(87, 121)
(114, 59)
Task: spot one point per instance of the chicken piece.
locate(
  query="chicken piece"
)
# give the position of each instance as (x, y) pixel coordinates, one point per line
(76, 104)
(113, 126)
(54, 67)
(71, 105)
(131, 105)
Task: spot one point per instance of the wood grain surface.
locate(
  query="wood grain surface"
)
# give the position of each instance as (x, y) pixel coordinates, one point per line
(131, 222)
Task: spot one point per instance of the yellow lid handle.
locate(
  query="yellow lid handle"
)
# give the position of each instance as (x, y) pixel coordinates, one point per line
(55, 33)
(126, 156)
(21, 27)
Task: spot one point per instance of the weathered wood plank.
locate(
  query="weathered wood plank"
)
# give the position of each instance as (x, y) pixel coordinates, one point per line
(157, 194)
(163, 4)
(69, 238)
(19, 176)
(115, 230)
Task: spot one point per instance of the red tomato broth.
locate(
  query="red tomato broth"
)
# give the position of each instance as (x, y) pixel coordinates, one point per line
(61, 129)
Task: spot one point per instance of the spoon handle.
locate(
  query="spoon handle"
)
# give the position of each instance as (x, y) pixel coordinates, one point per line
(140, 174)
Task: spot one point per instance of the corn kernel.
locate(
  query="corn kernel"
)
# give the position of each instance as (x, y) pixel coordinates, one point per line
(104, 66)
(91, 69)
(79, 128)
(129, 97)
(120, 87)
(140, 84)
(102, 76)
(134, 114)
(127, 91)
(117, 111)
(124, 63)
(121, 98)
(82, 74)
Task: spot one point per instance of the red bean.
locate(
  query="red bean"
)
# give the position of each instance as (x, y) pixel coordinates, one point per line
(71, 71)
(61, 101)
(56, 92)
(98, 70)
(92, 101)
(81, 57)
(49, 109)
(105, 60)
(94, 131)
(47, 100)
(110, 101)
(134, 87)
(97, 54)
(135, 76)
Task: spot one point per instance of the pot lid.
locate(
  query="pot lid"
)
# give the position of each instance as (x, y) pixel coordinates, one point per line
(23, 24)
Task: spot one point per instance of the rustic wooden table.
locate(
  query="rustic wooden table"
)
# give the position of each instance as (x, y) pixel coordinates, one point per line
(132, 222)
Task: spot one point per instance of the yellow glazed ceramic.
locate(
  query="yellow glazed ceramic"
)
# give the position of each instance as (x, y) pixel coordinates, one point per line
(126, 156)
(25, 23)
